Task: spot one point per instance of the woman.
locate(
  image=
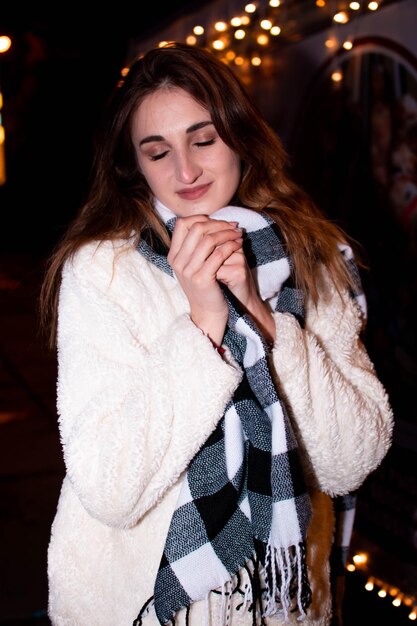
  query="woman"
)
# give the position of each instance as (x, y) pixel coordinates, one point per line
(213, 392)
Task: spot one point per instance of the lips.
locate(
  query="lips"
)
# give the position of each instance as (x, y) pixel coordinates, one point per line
(193, 194)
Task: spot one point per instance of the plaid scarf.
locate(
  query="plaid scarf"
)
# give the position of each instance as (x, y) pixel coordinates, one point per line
(243, 502)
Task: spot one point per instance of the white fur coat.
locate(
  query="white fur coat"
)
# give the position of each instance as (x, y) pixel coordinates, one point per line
(140, 388)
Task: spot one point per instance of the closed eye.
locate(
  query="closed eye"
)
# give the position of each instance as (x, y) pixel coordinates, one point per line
(157, 157)
(210, 142)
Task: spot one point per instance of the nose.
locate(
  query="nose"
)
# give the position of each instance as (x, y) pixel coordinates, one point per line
(188, 169)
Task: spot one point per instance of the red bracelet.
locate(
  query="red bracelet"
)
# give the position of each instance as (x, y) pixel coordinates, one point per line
(219, 349)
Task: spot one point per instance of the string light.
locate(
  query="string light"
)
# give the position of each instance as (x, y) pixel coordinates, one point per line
(240, 34)
(384, 588)
(393, 591)
(5, 43)
(262, 40)
(221, 27)
(360, 559)
(341, 18)
(247, 31)
(219, 44)
(398, 599)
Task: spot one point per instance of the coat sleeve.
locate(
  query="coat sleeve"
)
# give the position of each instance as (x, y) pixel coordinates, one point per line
(131, 417)
(338, 405)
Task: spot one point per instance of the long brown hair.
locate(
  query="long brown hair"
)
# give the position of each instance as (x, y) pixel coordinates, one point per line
(119, 200)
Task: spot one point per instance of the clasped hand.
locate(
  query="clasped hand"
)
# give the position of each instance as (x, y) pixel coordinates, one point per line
(205, 252)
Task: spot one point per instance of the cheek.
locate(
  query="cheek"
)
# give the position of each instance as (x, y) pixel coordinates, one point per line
(146, 170)
(234, 167)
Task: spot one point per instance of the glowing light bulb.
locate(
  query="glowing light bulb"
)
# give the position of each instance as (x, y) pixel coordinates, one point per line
(220, 27)
(262, 40)
(5, 43)
(360, 558)
(337, 76)
(341, 18)
(218, 44)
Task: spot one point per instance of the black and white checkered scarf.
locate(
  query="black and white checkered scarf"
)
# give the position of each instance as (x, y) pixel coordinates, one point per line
(243, 502)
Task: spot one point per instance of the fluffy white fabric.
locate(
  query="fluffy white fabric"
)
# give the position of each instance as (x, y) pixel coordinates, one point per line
(128, 428)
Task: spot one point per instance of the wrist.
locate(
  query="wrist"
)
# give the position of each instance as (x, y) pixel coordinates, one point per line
(261, 313)
(213, 326)
(219, 349)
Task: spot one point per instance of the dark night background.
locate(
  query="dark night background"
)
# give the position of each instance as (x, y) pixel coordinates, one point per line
(55, 78)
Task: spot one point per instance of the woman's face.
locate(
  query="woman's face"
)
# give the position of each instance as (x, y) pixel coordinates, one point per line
(188, 167)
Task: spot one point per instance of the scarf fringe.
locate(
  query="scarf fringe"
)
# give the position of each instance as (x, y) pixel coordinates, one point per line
(271, 589)
(285, 573)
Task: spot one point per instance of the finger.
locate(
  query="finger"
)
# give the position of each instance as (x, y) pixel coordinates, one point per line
(215, 260)
(181, 230)
(200, 242)
(232, 274)
(198, 224)
(237, 258)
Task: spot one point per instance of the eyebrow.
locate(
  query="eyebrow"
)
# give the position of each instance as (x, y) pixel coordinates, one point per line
(191, 129)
